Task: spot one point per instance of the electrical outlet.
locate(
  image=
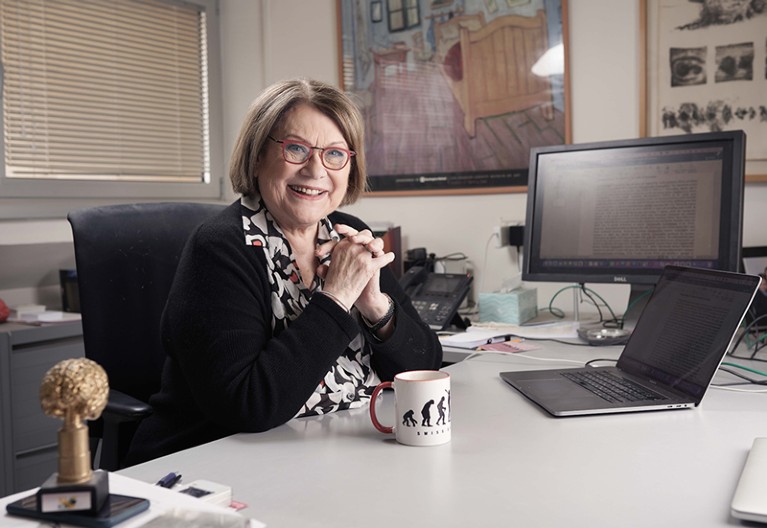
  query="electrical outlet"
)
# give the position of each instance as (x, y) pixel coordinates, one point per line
(497, 241)
(501, 236)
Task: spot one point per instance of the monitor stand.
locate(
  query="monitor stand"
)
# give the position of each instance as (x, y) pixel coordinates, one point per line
(638, 297)
(597, 335)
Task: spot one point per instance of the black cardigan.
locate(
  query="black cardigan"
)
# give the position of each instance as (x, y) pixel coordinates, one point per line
(226, 372)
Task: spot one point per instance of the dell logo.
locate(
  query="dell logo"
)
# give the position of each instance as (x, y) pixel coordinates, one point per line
(620, 278)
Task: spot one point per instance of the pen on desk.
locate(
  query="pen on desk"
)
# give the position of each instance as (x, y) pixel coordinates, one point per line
(499, 339)
(169, 480)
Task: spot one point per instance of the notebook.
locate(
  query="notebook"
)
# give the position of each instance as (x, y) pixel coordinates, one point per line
(671, 356)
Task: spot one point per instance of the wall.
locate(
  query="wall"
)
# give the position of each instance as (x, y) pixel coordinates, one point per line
(31, 254)
(268, 40)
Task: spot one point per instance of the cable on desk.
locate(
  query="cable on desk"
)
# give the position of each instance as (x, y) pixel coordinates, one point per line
(728, 364)
(549, 359)
(456, 256)
(723, 387)
(484, 260)
(590, 294)
(517, 354)
(758, 343)
(748, 381)
(556, 312)
(553, 340)
(752, 357)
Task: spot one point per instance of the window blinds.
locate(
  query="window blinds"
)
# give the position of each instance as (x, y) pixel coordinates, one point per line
(105, 90)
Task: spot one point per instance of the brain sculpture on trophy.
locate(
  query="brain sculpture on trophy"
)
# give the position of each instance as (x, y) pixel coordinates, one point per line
(74, 390)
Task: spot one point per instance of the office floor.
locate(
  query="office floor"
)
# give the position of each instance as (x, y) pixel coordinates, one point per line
(415, 127)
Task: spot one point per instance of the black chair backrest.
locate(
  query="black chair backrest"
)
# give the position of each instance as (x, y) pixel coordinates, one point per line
(126, 257)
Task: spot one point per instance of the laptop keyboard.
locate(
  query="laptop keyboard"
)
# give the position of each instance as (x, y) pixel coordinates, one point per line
(612, 388)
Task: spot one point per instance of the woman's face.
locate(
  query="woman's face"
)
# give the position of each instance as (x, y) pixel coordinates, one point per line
(298, 196)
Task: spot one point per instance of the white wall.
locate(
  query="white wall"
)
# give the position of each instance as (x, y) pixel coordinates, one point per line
(268, 40)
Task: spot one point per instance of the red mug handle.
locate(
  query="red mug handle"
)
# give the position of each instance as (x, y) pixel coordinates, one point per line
(373, 417)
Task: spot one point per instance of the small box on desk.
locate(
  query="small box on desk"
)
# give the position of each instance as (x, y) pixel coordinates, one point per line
(514, 307)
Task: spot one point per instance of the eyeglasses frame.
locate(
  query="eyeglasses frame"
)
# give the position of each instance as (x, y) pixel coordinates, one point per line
(283, 142)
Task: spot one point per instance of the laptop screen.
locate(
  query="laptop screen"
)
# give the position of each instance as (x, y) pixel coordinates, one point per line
(688, 324)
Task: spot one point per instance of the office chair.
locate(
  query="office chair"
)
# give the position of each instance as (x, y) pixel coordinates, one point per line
(126, 257)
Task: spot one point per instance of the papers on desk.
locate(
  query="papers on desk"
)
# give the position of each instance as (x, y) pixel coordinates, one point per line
(513, 345)
(468, 339)
(44, 317)
(488, 342)
(477, 335)
(167, 508)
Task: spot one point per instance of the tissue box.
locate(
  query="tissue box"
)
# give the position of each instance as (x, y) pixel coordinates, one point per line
(514, 307)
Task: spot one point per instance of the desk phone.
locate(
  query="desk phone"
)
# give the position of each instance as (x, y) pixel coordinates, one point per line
(436, 296)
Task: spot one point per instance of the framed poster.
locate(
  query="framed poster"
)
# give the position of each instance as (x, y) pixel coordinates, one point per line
(706, 70)
(455, 93)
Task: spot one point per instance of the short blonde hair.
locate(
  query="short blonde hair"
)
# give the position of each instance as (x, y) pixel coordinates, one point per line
(266, 113)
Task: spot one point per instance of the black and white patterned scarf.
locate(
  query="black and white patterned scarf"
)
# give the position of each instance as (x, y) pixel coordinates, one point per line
(350, 382)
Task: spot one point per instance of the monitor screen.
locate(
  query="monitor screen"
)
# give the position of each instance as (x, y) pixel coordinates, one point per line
(620, 211)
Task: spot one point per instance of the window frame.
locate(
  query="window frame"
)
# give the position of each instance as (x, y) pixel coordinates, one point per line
(404, 10)
(47, 198)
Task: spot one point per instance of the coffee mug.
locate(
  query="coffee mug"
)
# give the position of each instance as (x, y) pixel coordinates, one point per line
(421, 405)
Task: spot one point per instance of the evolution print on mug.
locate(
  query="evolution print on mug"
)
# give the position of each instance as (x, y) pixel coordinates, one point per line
(422, 406)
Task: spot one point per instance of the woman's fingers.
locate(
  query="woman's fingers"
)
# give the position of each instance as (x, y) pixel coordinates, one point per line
(376, 247)
(355, 264)
(345, 230)
(324, 249)
(364, 238)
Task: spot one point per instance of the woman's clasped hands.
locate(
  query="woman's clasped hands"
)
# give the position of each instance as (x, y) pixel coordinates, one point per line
(353, 275)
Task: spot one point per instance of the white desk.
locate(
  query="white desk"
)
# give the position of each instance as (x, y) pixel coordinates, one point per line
(509, 463)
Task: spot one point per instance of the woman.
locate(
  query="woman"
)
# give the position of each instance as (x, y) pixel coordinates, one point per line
(281, 306)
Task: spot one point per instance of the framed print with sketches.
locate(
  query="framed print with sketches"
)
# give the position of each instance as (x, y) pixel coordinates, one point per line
(706, 70)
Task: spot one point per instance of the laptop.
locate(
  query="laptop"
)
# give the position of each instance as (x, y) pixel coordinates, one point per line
(670, 358)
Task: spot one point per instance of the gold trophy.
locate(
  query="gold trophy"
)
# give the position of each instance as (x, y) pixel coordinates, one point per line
(74, 390)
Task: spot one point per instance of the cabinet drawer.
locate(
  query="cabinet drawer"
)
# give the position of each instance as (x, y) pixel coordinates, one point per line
(32, 468)
(31, 427)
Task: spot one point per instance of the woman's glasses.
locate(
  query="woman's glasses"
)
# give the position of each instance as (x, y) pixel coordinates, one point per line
(297, 152)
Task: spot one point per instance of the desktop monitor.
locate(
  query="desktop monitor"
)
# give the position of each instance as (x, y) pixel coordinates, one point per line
(620, 211)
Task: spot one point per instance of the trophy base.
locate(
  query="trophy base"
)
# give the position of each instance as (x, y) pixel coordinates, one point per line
(116, 509)
(86, 496)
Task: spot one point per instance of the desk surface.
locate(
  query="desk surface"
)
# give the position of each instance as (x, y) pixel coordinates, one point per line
(508, 464)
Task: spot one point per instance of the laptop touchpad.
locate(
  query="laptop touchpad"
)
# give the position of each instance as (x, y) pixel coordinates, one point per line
(554, 389)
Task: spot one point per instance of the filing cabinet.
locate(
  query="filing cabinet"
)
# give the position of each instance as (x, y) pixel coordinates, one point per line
(28, 438)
